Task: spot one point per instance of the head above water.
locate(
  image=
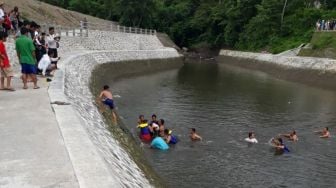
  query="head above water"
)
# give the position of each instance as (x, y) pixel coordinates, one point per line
(250, 134)
(280, 140)
(166, 131)
(154, 117)
(161, 121)
(326, 128)
(193, 130)
(106, 87)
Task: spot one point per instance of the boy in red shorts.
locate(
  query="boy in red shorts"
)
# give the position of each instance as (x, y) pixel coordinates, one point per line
(5, 68)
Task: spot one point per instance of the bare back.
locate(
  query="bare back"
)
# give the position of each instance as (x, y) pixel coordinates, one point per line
(106, 95)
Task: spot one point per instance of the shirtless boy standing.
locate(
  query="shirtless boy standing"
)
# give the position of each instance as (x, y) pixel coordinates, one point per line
(106, 98)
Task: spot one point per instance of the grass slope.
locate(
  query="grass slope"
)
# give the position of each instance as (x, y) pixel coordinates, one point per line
(45, 13)
(323, 44)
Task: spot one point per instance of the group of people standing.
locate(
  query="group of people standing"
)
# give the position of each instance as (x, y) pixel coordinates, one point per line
(36, 51)
(326, 25)
(10, 20)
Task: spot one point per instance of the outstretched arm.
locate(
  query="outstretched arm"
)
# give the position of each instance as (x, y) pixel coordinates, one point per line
(198, 137)
(325, 136)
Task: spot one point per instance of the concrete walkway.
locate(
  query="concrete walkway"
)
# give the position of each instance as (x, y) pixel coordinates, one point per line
(33, 153)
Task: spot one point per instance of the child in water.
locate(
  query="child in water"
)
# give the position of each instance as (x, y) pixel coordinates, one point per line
(106, 98)
(144, 129)
(170, 139)
(194, 136)
(324, 133)
(279, 145)
(251, 138)
(291, 136)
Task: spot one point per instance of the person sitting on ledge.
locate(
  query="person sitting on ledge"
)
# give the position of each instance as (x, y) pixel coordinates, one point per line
(45, 64)
(106, 98)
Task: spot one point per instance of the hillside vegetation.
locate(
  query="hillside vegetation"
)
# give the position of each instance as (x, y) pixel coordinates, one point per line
(252, 25)
(323, 44)
(46, 13)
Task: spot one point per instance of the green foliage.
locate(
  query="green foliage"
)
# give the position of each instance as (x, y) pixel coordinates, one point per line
(273, 25)
(323, 44)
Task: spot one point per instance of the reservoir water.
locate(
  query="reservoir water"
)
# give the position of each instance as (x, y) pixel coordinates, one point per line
(224, 103)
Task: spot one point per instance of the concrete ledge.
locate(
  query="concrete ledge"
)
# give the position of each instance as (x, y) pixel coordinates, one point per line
(319, 72)
(320, 64)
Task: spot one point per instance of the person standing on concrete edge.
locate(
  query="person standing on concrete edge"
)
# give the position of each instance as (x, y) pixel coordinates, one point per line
(25, 50)
(106, 98)
(5, 69)
(52, 42)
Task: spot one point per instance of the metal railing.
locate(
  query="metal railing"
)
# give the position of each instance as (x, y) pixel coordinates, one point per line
(116, 28)
(82, 30)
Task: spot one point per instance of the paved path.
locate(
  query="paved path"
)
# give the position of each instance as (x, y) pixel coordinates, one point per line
(33, 153)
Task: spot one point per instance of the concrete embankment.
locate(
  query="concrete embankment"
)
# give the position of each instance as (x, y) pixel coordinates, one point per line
(79, 150)
(74, 82)
(320, 72)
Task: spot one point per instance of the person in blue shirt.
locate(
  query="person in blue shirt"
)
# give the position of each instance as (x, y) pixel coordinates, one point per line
(159, 143)
(170, 139)
(280, 146)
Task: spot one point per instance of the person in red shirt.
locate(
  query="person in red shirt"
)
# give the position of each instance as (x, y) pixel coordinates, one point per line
(5, 68)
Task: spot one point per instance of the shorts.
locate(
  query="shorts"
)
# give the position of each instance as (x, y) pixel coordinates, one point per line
(54, 50)
(109, 102)
(6, 72)
(28, 68)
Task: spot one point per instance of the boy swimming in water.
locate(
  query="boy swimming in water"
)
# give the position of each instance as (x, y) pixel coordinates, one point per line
(169, 138)
(106, 98)
(194, 136)
(279, 145)
(324, 133)
(291, 136)
(251, 138)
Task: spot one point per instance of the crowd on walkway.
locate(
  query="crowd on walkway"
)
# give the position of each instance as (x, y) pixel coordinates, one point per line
(326, 25)
(36, 50)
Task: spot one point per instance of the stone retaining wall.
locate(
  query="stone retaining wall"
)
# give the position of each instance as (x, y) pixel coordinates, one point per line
(321, 64)
(319, 72)
(73, 80)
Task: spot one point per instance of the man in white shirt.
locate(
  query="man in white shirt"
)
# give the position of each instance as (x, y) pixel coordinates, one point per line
(45, 64)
